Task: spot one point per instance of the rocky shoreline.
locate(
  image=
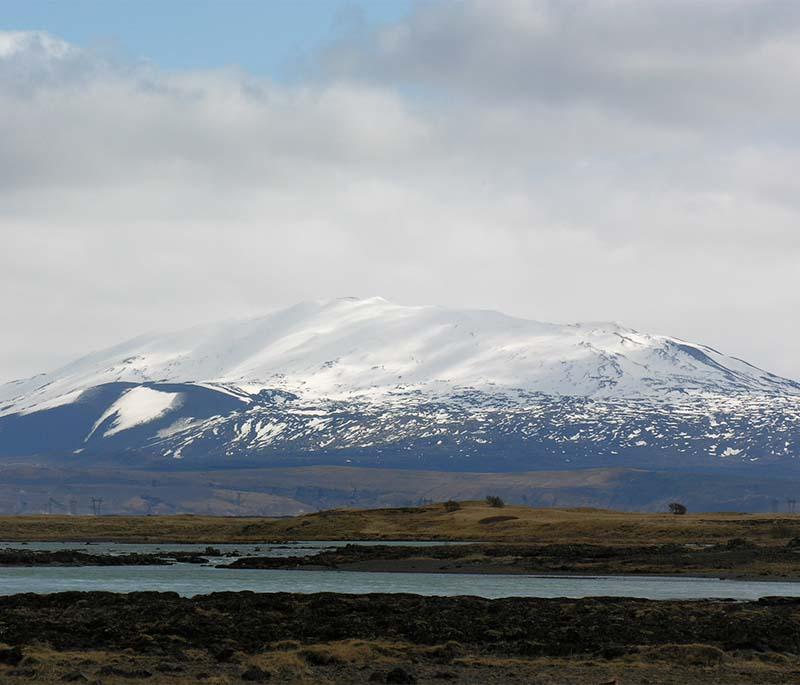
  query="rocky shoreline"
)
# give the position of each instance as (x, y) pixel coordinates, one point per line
(735, 558)
(73, 557)
(237, 637)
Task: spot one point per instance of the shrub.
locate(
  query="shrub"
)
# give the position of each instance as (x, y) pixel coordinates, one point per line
(677, 508)
(451, 505)
(495, 501)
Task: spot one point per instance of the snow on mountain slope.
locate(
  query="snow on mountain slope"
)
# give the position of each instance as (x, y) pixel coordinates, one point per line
(135, 407)
(372, 349)
(369, 382)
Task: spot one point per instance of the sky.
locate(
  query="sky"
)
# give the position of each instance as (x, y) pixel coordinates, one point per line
(166, 164)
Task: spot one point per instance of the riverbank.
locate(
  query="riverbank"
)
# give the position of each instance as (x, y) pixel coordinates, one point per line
(329, 638)
(735, 559)
(73, 557)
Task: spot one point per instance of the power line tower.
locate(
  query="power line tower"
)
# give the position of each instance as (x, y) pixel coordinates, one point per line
(97, 505)
(54, 503)
(73, 507)
(791, 505)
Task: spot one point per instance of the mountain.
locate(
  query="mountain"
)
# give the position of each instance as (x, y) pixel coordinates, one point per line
(365, 382)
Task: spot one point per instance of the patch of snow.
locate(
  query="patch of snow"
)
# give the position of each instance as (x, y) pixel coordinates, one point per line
(137, 406)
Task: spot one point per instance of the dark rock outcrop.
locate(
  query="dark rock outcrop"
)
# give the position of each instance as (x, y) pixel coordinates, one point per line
(165, 623)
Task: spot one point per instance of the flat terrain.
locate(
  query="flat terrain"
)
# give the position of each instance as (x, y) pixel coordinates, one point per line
(241, 637)
(329, 638)
(474, 521)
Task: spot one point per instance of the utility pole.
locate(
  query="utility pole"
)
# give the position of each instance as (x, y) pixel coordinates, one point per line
(97, 504)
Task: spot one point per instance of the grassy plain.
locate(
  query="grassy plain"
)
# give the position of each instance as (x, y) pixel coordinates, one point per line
(475, 521)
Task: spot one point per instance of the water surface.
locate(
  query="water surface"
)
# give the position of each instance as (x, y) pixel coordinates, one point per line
(189, 580)
(193, 579)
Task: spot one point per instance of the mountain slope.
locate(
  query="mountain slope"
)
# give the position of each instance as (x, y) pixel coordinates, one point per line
(348, 347)
(372, 382)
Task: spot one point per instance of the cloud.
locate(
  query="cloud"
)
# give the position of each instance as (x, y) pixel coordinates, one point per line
(556, 160)
(669, 61)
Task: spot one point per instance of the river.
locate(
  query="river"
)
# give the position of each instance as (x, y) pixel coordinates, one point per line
(193, 579)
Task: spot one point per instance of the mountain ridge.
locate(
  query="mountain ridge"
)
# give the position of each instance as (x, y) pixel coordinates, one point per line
(353, 347)
(369, 382)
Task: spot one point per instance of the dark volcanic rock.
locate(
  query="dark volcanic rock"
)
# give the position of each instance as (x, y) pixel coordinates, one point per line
(10, 656)
(71, 557)
(736, 557)
(399, 676)
(164, 623)
(23, 673)
(124, 673)
(254, 674)
(224, 654)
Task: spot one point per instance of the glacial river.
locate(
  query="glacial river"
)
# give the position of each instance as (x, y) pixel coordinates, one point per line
(192, 579)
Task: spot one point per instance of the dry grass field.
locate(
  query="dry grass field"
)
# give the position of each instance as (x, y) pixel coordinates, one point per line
(229, 638)
(472, 521)
(361, 661)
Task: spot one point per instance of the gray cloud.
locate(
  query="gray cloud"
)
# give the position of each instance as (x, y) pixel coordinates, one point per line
(556, 160)
(670, 61)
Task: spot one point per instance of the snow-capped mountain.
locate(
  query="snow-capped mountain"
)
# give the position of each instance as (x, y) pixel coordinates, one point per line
(368, 381)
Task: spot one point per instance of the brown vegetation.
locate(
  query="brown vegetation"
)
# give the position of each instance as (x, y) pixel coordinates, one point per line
(471, 521)
(230, 638)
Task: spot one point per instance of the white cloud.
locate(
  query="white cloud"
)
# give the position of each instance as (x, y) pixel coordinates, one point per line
(557, 160)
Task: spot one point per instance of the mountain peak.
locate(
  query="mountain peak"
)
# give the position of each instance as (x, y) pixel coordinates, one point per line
(377, 299)
(330, 381)
(370, 347)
